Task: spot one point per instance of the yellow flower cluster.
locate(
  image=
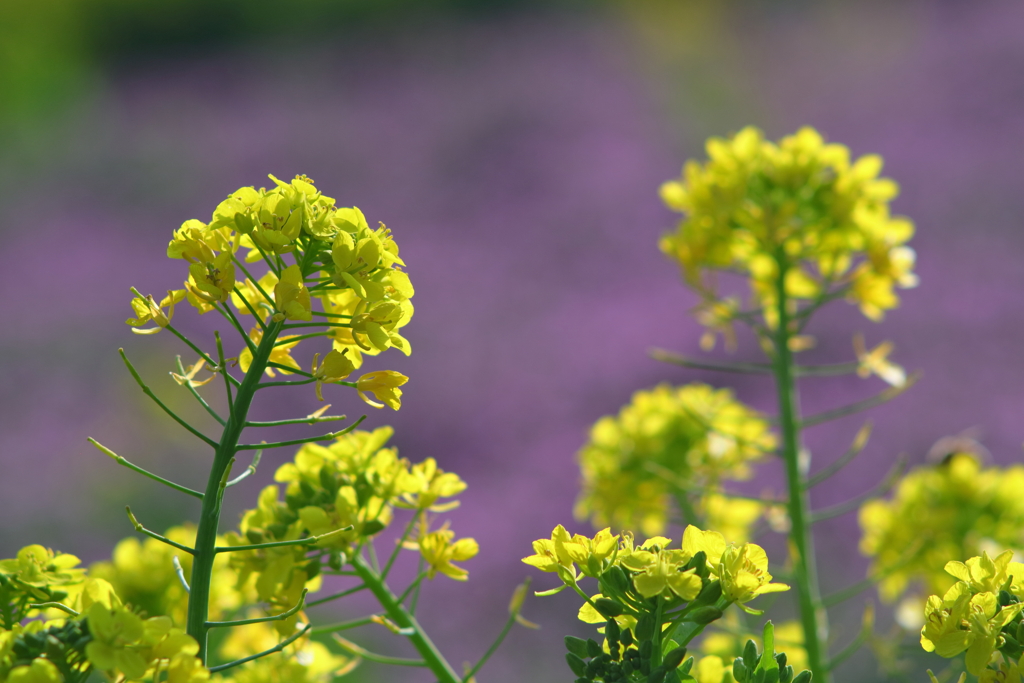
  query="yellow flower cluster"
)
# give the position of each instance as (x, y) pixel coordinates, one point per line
(667, 442)
(799, 204)
(92, 628)
(346, 491)
(971, 615)
(354, 271)
(955, 508)
(654, 569)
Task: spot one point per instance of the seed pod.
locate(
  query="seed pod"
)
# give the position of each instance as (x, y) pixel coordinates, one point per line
(674, 658)
(608, 608)
(576, 664)
(577, 646)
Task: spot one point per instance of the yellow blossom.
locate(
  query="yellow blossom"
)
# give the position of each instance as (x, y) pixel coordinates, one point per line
(439, 552)
(384, 385)
(292, 297)
(336, 367)
(146, 310)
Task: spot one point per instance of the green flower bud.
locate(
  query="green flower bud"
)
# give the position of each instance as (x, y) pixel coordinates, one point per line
(750, 655)
(803, 677)
(577, 646)
(657, 675)
(781, 659)
(786, 674)
(687, 665)
(626, 637)
(608, 608)
(593, 649)
(645, 628)
(646, 650)
(739, 670)
(616, 579)
(674, 658)
(576, 664)
(612, 631)
(704, 615)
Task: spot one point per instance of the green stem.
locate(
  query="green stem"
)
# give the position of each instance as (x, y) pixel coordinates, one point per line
(398, 614)
(209, 519)
(813, 617)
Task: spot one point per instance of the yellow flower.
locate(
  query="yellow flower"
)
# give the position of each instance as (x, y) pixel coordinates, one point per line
(292, 297)
(146, 310)
(439, 552)
(876, 362)
(212, 281)
(384, 385)
(742, 569)
(336, 367)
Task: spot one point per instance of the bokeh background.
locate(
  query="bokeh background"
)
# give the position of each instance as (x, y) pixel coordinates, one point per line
(515, 149)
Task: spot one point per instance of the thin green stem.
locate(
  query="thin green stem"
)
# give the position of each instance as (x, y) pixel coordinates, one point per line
(353, 649)
(296, 326)
(341, 626)
(296, 442)
(398, 547)
(292, 339)
(308, 420)
(260, 546)
(252, 311)
(209, 519)
(149, 392)
(513, 616)
(412, 586)
(813, 616)
(336, 596)
(249, 471)
(277, 648)
(183, 380)
(398, 614)
(152, 534)
(859, 441)
(259, 620)
(231, 318)
(135, 468)
(202, 354)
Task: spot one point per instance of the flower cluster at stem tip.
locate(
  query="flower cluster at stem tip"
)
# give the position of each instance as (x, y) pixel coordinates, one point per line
(799, 204)
(354, 272)
(653, 599)
(954, 508)
(667, 444)
(980, 615)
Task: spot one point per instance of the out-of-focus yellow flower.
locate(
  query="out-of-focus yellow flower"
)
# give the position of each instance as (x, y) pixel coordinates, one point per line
(668, 441)
(961, 509)
(876, 362)
(439, 552)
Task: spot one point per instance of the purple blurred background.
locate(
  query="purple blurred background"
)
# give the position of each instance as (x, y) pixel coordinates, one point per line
(516, 154)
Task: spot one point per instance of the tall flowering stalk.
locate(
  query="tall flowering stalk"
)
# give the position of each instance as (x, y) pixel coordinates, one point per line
(799, 224)
(327, 279)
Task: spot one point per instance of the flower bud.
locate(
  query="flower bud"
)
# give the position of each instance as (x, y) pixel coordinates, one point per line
(608, 608)
(577, 646)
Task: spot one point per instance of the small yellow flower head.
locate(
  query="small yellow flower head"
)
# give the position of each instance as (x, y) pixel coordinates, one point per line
(292, 297)
(432, 483)
(960, 621)
(384, 385)
(147, 310)
(742, 569)
(961, 508)
(660, 572)
(113, 632)
(39, 670)
(801, 200)
(41, 567)
(439, 552)
(189, 243)
(876, 362)
(558, 551)
(667, 438)
(336, 367)
(212, 281)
